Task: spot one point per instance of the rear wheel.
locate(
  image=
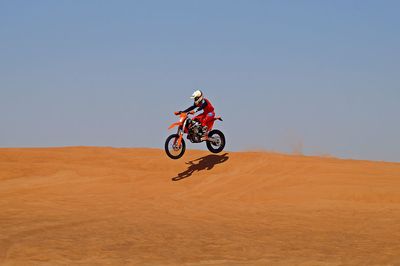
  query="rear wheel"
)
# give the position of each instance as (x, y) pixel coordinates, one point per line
(216, 141)
(173, 150)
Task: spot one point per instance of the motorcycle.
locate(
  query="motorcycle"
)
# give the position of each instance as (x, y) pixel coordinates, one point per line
(175, 145)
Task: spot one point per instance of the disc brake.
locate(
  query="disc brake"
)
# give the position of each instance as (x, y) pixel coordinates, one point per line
(215, 141)
(176, 147)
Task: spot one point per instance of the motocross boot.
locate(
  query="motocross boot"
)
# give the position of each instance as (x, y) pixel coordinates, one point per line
(204, 133)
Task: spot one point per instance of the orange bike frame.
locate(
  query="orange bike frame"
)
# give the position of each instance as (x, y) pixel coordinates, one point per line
(182, 119)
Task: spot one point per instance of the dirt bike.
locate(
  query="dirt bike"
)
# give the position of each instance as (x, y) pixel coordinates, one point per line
(175, 145)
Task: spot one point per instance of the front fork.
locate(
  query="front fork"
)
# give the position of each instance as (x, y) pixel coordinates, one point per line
(179, 140)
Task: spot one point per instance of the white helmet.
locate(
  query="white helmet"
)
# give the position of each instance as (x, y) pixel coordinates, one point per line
(197, 96)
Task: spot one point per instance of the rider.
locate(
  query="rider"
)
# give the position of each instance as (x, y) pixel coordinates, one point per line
(207, 117)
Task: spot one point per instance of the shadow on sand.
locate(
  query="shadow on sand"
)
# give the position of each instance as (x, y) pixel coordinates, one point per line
(204, 163)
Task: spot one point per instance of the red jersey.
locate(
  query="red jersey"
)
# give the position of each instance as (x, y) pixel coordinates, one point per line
(206, 106)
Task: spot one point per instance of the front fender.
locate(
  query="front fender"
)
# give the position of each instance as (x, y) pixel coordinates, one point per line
(174, 125)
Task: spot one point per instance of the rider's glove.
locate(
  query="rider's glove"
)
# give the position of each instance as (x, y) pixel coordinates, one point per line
(178, 112)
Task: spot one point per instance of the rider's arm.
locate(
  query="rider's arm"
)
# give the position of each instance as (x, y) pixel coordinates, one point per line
(203, 105)
(190, 109)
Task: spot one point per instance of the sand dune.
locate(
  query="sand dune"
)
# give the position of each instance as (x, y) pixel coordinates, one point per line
(107, 206)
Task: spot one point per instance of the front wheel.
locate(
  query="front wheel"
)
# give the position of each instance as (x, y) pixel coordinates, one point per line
(216, 141)
(173, 150)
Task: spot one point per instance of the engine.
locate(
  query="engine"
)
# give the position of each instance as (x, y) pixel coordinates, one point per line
(194, 132)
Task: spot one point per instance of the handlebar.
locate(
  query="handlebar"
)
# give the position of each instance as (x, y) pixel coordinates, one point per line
(191, 112)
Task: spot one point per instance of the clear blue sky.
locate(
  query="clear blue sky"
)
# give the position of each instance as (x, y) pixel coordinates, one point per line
(318, 76)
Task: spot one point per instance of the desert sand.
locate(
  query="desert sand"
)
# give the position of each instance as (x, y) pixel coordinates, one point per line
(118, 206)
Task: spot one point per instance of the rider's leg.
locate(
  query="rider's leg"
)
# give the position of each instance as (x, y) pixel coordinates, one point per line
(199, 118)
(207, 124)
(208, 121)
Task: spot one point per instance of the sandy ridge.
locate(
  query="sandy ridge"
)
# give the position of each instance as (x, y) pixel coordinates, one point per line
(102, 205)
